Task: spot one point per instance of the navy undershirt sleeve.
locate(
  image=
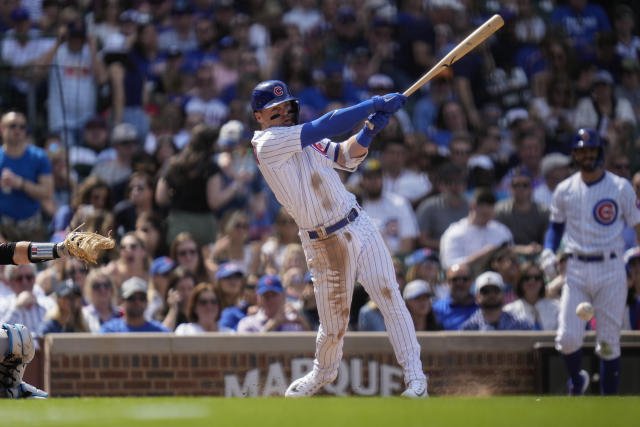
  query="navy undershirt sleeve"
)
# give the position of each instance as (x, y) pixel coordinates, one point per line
(335, 123)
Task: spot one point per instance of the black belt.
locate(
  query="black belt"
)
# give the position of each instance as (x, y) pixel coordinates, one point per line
(324, 232)
(592, 258)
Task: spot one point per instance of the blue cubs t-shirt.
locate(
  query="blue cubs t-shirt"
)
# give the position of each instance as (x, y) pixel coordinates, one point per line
(31, 165)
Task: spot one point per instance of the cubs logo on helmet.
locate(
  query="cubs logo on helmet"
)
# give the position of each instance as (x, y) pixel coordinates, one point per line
(278, 90)
(586, 137)
(605, 211)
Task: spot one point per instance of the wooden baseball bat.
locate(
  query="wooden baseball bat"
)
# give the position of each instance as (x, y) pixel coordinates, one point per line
(481, 33)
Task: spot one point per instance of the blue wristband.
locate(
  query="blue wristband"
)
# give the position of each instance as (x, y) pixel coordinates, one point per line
(364, 137)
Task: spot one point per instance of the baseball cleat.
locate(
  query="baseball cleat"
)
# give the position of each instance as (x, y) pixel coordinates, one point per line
(306, 386)
(25, 391)
(583, 387)
(417, 389)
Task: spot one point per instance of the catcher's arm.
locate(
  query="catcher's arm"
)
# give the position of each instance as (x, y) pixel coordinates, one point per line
(26, 252)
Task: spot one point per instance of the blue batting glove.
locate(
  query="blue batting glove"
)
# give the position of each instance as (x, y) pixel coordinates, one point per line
(389, 103)
(379, 121)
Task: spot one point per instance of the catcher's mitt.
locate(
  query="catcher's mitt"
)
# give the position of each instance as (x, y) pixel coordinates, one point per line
(84, 245)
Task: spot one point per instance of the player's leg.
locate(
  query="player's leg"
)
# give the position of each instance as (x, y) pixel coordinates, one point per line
(571, 328)
(377, 275)
(609, 303)
(331, 263)
(16, 351)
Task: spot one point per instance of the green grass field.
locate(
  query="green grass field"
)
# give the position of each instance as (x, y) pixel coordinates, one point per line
(324, 412)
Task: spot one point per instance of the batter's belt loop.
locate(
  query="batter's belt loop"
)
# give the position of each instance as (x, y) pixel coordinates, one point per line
(323, 232)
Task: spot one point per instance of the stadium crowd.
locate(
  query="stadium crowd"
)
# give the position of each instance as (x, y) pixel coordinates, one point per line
(134, 118)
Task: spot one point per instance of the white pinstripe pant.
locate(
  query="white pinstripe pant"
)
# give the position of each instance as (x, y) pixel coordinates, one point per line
(357, 252)
(603, 284)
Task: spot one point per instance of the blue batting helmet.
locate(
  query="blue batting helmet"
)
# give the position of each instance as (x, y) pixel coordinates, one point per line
(269, 93)
(586, 137)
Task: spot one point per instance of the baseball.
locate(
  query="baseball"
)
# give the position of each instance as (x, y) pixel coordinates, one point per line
(584, 310)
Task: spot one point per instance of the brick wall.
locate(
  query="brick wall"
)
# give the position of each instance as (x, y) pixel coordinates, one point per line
(264, 364)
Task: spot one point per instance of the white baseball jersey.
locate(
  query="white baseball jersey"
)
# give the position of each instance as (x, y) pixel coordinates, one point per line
(594, 216)
(462, 239)
(305, 183)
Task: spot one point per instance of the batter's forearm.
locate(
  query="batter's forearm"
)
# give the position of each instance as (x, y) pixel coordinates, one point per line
(336, 122)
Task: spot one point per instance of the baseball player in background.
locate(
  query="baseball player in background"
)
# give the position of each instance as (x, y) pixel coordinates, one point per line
(340, 241)
(591, 208)
(16, 344)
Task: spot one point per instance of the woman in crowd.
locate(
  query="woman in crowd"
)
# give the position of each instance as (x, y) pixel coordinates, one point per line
(132, 260)
(99, 293)
(203, 312)
(418, 295)
(152, 230)
(93, 193)
(532, 304)
(187, 188)
(186, 251)
(66, 315)
(230, 284)
(232, 244)
(272, 251)
(138, 200)
(181, 284)
(160, 273)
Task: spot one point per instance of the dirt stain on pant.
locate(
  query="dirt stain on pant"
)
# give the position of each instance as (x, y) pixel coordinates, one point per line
(336, 256)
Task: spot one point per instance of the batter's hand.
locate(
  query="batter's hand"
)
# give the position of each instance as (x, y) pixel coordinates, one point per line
(379, 121)
(548, 262)
(389, 103)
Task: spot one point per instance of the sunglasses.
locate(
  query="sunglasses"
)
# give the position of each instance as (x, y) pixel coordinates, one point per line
(73, 271)
(101, 285)
(537, 277)
(186, 252)
(521, 184)
(204, 302)
(17, 125)
(137, 187)
(460, 279)
(27, 277)
(243, 225)
(139, 298)
(490, 290)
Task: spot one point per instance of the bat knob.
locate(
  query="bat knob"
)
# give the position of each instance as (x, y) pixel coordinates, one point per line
(369, 124)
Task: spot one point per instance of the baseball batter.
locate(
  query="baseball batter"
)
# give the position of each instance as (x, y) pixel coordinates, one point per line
(591, 208)
(16, 344)
(341, 243)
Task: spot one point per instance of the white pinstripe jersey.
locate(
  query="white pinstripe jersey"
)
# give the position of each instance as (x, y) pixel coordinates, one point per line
(594, 214)
(303, 180)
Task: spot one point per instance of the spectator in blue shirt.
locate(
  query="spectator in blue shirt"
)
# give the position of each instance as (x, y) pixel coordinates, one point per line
(452, 311)
(491, 317)
(134, 296)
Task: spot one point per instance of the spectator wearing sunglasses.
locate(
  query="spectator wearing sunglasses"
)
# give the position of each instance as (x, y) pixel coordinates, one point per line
(525, 218)
(491, 317)
(532, 305)
(23, 306)
(203, 312)
(451, 312)
(134, 296)
(100, 296)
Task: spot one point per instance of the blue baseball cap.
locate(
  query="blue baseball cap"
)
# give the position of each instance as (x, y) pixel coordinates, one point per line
(20, 14)
(421, 255)
(161, 265)
(269, 283)
(229, 269)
